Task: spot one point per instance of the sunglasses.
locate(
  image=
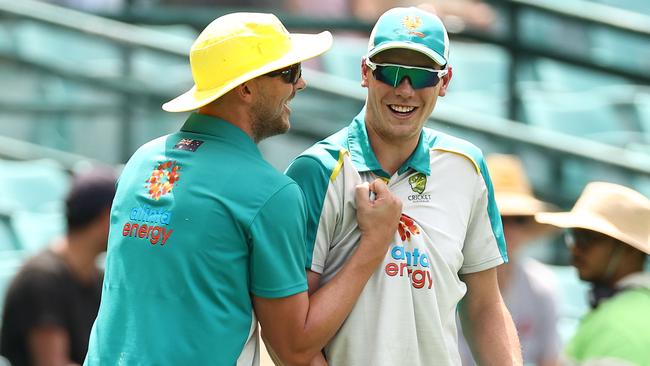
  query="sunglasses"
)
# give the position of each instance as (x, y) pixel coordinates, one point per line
(290, 74)
(584, 240)
(392, 74)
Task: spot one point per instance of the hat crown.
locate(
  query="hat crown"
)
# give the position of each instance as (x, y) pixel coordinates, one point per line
(410, 28)
(512, 189)
(235, 44)
(507, 174)
(625, 209)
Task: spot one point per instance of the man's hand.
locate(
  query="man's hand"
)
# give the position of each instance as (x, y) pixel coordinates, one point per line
(298, 327)
(378, 218)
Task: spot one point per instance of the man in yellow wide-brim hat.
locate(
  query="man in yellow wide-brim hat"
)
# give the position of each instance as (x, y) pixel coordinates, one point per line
(207, 238)
(609, 239)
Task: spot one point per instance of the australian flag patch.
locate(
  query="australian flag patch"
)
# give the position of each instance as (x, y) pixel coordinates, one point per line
(188, 145)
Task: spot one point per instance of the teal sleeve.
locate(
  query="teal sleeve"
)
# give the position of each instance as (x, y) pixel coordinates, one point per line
(278, 245)
(476, 156)
(493, 211)
(313, 178)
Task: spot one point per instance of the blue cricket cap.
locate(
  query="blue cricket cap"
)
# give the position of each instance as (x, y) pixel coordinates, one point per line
(410, 28)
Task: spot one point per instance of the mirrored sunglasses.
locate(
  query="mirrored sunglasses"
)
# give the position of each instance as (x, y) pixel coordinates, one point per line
(290, 74)
(392, 74)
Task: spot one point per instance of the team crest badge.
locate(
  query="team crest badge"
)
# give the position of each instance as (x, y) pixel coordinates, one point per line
(418, 182)
(411, 23)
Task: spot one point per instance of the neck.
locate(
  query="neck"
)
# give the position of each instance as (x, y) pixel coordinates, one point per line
(234, 115)
(391, 154)
(622, 263)
(80, 254)
(622, 273)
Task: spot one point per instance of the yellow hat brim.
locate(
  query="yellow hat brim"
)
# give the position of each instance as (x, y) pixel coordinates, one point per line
(303, 47)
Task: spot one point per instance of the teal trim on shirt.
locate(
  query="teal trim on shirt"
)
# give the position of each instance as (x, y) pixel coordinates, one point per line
(446, 142)
(364, 157)
(312, 171)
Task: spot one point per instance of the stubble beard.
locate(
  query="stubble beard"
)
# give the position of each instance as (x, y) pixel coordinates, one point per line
(266, 123)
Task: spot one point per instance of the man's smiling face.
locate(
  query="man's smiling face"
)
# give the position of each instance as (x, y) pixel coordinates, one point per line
(397, 114)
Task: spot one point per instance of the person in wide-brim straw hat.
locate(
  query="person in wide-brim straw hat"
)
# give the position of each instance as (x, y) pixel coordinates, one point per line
(527, 285)
(609, 239)
(207, 238)
(610, 209)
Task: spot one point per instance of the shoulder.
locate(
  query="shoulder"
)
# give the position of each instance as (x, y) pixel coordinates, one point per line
(277, 193)
(619, 315)
(150, 147)
(627, 303)
(142, 155)
(321, 158)
(41, 271)
(43, 263)
(443, 143)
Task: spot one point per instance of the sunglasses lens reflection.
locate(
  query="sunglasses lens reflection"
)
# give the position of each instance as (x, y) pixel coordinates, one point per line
(393, 75)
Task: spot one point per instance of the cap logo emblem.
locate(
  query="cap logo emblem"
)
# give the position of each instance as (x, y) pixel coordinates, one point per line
(411, 23)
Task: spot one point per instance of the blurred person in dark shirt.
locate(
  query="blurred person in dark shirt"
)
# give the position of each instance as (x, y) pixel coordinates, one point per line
(53, 300)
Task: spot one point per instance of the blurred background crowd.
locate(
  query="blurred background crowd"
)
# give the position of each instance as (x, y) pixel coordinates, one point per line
(562, 86)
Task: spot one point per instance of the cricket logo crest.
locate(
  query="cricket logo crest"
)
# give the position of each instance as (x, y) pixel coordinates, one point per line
(418, 183)
(411, 23)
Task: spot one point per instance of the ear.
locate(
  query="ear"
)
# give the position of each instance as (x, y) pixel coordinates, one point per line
(364, 73)
(445, 82)
(245, 91)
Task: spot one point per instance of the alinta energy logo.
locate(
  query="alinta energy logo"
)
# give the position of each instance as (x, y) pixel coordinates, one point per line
(163, 178)
(150, 224)
(406, 262)
(418, 183)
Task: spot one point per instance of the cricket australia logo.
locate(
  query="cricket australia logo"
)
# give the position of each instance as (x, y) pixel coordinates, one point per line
(418, 183)
(411, 23)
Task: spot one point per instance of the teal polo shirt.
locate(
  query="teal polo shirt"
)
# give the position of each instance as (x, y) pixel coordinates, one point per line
(200, 221)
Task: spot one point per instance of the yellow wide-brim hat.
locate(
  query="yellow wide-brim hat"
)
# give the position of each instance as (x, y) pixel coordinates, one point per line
(239, 47)
(611, 209)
